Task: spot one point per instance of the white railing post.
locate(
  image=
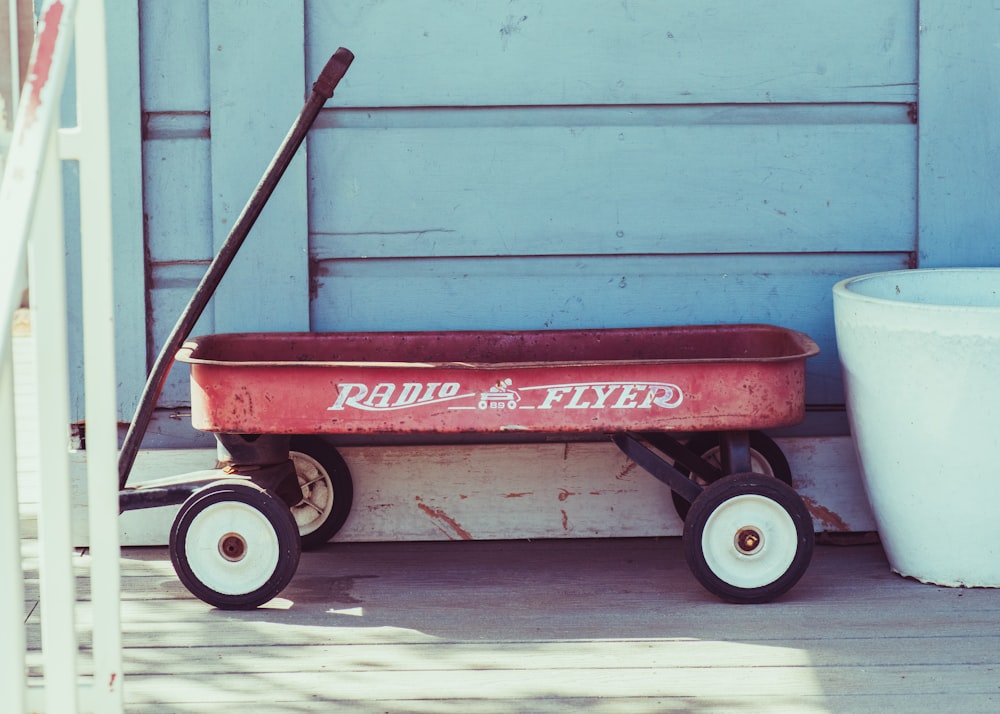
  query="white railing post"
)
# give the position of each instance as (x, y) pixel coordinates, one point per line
(31, 205)
(100, 378)
(57, 588)
(12, 653)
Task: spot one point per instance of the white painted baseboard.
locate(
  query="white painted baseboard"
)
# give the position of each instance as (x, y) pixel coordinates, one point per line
(577, 490)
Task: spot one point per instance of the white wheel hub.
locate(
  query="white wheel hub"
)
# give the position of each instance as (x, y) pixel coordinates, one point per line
(232, 548)
(749, 541)
(317, 493)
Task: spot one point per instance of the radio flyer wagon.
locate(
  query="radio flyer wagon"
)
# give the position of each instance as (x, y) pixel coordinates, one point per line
(274, 400)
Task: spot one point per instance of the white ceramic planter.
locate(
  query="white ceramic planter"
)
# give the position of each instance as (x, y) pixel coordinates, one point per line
(921, 357)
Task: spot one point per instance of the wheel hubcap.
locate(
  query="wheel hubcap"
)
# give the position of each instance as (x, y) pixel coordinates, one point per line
(233, 547)
(749, 540)
(317, 493)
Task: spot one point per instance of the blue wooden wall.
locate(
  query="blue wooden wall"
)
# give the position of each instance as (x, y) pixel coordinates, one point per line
(551, 164)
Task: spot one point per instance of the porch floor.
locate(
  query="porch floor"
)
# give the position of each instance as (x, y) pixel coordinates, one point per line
(615, 625)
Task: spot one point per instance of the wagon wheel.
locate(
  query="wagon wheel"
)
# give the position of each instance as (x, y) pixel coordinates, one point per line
(766, 457)
(234, 545)
(748, 538)
(327, 490)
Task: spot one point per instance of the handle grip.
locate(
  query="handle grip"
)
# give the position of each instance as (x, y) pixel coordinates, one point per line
(333, 72)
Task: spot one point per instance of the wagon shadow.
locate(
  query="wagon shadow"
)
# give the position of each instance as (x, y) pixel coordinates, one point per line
(601, 588)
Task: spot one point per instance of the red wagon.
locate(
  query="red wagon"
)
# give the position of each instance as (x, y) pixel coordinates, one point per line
(277, 404)
(748, 537)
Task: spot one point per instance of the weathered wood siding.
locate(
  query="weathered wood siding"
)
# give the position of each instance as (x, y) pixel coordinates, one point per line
(532, 164)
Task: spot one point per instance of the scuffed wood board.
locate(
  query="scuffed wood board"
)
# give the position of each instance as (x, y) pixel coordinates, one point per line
(578, 490)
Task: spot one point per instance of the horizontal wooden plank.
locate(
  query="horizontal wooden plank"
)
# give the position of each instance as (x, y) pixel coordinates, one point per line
(572, 181)
(980, 704)
(588, 115)
(612, 180)
(575, 490)
(582, 489)
(424, 52)
(407, 611)
(741, 688)
(682, 653)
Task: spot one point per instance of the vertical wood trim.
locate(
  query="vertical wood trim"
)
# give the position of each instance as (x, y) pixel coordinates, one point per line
(125, 127)
(958, 136)
(257, 64)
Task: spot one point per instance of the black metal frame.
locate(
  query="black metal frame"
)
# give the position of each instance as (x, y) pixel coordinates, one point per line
(735, 453)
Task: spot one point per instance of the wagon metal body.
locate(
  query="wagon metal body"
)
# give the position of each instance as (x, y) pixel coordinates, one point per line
(690, 378)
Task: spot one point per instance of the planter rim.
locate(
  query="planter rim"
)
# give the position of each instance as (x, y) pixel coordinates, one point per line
(843, 289)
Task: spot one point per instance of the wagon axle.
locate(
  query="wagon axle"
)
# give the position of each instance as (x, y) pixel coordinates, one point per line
(749, 540)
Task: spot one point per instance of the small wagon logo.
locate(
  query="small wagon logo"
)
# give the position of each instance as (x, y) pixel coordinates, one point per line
(500, 396)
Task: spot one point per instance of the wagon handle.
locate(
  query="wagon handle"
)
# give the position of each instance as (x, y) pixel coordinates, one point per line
(333, 72)
(322, 90)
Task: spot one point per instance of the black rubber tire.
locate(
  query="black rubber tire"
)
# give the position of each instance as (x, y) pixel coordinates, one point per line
(762, 448)
(261, 554)
(753, 509)
(327, 518)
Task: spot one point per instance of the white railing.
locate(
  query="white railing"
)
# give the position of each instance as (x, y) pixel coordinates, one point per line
(31, 235)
